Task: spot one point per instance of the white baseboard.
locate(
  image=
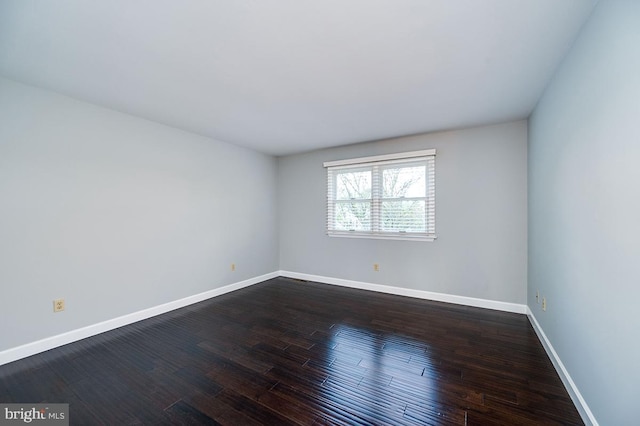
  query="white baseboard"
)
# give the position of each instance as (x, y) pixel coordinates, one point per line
(574, 393)
(572, 389)
(419, 294)
(19, 352)
(14, 354)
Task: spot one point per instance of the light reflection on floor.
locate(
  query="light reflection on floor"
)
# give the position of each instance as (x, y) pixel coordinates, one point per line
(382, 375)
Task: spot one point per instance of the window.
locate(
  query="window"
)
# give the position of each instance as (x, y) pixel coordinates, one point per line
(386, 196)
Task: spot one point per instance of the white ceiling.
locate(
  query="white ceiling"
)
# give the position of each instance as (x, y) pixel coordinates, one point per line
(286, 76)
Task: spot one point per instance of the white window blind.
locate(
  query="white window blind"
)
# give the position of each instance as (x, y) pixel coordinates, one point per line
(386, 196)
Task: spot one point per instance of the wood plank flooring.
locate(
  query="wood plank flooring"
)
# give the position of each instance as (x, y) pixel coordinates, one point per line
(287, 352)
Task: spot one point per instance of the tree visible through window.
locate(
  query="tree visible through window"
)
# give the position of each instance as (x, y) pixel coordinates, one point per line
(382, 197)
(353, 200)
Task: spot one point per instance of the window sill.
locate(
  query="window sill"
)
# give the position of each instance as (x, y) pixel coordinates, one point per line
(398, 236)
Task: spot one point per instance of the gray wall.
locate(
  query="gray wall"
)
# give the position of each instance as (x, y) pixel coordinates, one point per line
(481, 211)
(117, 214)
(584, 212)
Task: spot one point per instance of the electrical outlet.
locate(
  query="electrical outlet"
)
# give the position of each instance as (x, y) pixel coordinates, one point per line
(233, 267)
(544, 303)
(58, 305)
(376, 267)
(537, 296)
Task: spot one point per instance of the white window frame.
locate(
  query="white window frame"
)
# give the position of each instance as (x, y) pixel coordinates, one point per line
(377, 164)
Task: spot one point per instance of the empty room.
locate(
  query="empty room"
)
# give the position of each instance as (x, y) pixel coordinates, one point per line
(408, 212)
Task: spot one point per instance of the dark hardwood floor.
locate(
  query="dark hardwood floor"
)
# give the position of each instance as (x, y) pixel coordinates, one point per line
(289, 352)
